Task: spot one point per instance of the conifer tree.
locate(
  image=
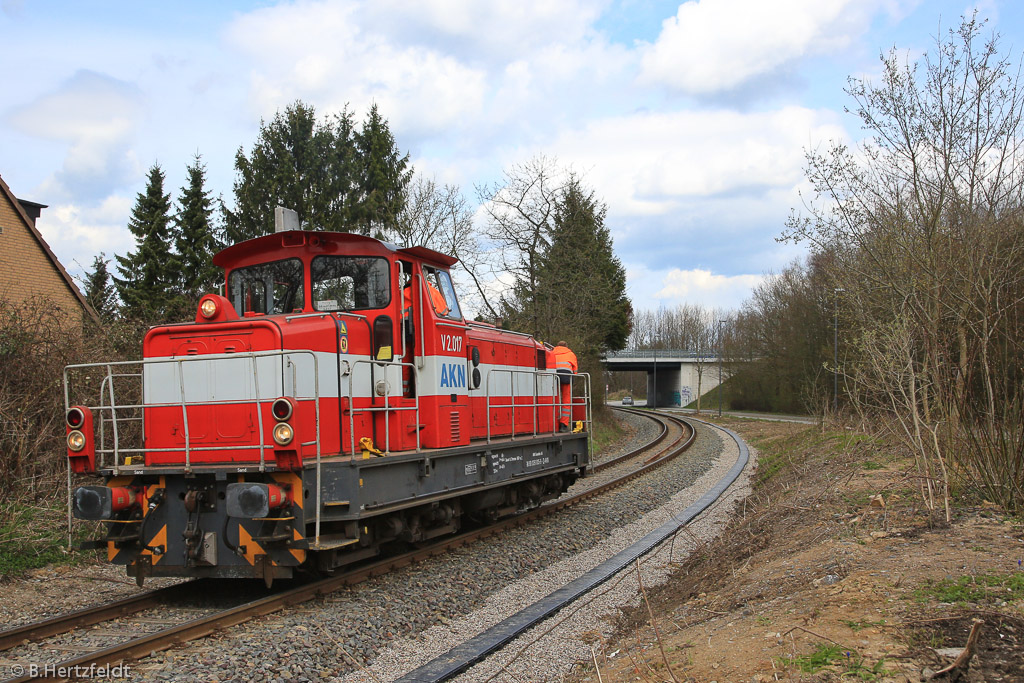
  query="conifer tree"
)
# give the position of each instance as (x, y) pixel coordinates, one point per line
(581, 292)
(99, 292)
(149, 276)
(300, 164)
(383, 177)
(334, 176)
(196, 242)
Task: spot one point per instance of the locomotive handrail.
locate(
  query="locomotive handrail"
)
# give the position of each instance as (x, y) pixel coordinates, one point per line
(536, 406)
(108, 383)
(588, 405)
(554, 403)
(588, 409)
(423, 338)
(512, 388)
(386, 408)
(259, 413)
(113, 402)
(403, 310)
(184, 418)
(324, 314)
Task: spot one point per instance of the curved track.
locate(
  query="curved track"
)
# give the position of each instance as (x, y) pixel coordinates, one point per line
(473, 651)
(675, 437)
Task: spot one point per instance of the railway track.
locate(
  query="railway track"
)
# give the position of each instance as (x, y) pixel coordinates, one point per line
(460, 658)
(675, 436)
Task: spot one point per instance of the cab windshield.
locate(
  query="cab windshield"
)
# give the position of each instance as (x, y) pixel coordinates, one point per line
(349, 283)
(267, 288)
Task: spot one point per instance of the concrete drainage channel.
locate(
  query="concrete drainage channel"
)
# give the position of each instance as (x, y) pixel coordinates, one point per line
(459, 659)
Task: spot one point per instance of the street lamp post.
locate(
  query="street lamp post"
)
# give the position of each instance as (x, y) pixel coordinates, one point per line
(835, 350)
(655, 403)
(720, 367)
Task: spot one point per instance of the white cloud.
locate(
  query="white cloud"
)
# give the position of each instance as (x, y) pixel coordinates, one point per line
(98, 115)
(652, 288)
(645, 164)
(717, 45)
(464, 75)
(77, 233)
(703, 286)
(498, 30)
(319, 52)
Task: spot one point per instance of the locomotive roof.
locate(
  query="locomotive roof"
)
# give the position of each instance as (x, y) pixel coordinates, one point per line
(323, 241)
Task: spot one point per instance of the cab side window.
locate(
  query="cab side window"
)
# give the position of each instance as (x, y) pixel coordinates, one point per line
(442, 282)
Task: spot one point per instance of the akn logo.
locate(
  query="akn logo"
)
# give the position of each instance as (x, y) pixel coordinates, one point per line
(453, 375)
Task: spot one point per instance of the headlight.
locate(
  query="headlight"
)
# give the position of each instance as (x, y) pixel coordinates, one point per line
(76, 441)
(208, 308)
(283, 434)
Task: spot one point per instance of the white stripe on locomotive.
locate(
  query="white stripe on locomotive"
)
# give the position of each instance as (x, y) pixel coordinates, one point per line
(228, 378)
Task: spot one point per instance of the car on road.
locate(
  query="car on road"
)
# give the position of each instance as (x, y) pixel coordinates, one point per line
(627, 400)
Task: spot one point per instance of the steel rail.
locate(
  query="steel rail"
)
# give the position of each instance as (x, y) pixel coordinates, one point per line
(88, 616)
(476, 649)
(197, 628)
(636, 451)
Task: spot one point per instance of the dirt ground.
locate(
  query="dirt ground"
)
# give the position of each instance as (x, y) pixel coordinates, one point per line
(833, 570)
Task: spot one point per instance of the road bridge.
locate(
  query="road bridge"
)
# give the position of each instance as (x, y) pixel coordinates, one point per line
(673, 375)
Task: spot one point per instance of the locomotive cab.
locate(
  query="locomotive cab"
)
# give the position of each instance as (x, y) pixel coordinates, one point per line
(356, 324)
(333, 400)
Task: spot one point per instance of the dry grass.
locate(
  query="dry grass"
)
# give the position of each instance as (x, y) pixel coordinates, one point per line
(36, 343)
(820, 570)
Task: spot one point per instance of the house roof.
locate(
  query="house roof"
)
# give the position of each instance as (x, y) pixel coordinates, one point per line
(30, 224)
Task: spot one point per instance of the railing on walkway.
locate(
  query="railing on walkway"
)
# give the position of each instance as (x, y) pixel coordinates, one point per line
(120, 428)
(119, 411)
(535, 405)
(660, 353)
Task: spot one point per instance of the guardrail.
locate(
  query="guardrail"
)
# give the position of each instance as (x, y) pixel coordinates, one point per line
(660, 353)
(117, 417)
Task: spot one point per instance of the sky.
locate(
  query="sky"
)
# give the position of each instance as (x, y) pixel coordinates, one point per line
(689, 120)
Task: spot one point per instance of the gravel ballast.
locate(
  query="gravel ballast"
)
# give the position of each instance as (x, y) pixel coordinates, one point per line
(403, 619)
(351, 627)
(550, 650)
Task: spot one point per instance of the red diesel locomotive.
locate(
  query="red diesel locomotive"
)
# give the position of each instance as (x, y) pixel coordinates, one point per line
(333, 402)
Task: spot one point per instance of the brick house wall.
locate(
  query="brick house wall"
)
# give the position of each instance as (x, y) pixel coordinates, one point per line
(28, 268)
